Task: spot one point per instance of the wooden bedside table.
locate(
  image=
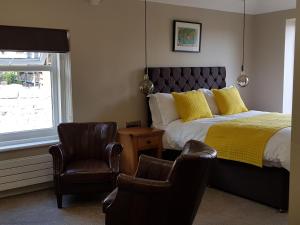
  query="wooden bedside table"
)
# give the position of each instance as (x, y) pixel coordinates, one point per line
(136, 139)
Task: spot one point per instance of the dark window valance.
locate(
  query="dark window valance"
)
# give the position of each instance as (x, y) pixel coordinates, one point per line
(33, 39)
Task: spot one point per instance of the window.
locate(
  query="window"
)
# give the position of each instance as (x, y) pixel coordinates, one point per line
(289, 65)
(34, 97)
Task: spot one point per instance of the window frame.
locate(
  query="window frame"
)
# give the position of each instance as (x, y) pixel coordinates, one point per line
(23, 61)
(37, 137)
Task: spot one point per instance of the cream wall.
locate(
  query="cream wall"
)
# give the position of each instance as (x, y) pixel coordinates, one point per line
(107, 52)
(221, 39)
(294, 215)
(267, 74)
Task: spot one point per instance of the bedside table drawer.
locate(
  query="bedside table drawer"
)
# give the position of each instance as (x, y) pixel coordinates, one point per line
(148, 142)
(135, 140)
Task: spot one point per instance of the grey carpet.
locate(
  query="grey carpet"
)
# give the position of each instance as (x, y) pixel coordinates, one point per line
(217, 208)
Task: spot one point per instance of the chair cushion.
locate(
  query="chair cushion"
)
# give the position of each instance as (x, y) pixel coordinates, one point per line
(87, 171)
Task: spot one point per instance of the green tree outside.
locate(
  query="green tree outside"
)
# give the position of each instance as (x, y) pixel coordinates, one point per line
(10, 77)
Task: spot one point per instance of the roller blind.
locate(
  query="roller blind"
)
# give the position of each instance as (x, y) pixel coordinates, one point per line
(31, 39)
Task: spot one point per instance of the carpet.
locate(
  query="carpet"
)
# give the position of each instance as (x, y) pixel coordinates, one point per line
(217, 208)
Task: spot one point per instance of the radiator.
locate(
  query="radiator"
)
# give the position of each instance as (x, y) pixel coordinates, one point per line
(26, 171)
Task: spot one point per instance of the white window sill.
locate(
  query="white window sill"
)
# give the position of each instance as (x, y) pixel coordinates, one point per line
(29, 145)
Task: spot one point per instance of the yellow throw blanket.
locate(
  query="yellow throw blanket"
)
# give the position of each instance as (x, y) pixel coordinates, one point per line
(244, 140)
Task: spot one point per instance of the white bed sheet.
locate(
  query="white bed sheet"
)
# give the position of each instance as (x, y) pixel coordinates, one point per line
(277, 152)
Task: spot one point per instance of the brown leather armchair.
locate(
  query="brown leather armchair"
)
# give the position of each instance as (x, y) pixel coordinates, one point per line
(86, 160)
(162, 192)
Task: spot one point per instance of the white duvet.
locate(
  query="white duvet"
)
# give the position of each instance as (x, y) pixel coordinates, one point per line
(277, 152)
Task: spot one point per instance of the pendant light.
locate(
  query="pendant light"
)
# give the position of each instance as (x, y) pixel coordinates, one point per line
(146, 86)
(243, 79)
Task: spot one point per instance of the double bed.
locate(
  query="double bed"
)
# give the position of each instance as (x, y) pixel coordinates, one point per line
(269, 184)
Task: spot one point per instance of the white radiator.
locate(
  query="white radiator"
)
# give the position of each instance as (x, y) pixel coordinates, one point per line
(26, 171)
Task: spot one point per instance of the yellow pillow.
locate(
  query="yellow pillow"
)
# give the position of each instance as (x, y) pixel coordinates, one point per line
(191, 105)
(229, 101)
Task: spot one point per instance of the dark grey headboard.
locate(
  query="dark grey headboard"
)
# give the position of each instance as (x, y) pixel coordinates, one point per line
(180, 79)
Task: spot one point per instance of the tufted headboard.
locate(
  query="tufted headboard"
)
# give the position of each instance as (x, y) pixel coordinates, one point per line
(180, 79)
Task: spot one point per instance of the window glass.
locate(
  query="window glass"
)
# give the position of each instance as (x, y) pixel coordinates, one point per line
(289, 65)
(25, 101)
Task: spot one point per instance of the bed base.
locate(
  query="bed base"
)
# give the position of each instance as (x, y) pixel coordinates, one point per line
(267, 185)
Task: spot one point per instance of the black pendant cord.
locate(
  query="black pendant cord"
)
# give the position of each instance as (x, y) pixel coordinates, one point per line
(146, 40)
(244, 28)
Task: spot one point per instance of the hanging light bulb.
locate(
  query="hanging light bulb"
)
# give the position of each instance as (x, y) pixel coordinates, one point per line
(146, 86)
(243, 79)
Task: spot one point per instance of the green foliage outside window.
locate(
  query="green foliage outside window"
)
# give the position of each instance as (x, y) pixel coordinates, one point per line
(10, 77)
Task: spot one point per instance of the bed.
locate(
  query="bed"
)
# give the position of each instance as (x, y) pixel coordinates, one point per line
(268, 185)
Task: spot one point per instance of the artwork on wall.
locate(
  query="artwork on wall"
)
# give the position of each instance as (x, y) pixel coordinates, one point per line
(187, 36)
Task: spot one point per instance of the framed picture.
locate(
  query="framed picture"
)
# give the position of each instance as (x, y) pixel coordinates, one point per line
(187, 36)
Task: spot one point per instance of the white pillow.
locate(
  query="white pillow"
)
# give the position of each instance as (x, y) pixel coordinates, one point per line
(163, 109)
(210, 98)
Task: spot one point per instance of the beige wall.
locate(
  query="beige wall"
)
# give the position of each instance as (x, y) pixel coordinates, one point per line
(107, 52)
(294, 215)
(221, 39)
(267, 68)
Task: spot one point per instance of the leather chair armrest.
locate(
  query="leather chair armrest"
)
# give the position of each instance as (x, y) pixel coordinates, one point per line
(58, 158)
(106, 203)
(153, 168)
(112, 155)
(135, 184)
(199, 148)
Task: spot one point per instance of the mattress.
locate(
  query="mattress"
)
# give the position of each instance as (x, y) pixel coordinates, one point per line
(276, 154)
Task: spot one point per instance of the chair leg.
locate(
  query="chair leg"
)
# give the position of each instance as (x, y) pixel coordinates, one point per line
(59, 200)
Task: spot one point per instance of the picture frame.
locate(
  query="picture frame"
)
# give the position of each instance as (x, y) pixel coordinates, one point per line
(187, 36)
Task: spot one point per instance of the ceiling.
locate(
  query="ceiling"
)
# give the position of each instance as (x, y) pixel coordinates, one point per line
(252, 6)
